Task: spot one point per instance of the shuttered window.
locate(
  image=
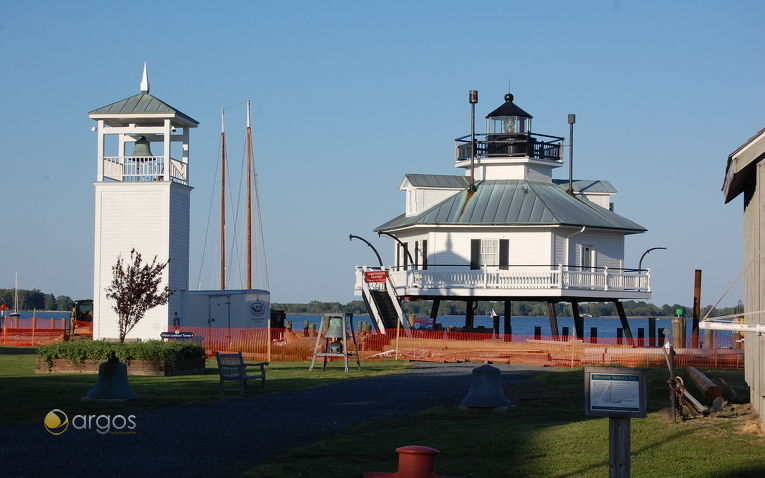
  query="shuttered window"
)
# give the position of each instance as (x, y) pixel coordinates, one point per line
(475, 254)
(587, 256)
(489, 253)
(504, 254)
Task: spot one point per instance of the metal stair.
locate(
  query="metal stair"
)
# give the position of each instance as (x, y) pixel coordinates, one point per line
(383, 305)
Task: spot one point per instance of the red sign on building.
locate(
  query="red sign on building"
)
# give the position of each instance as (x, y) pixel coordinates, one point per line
(376, 276)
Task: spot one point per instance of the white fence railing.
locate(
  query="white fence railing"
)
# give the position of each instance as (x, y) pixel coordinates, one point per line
(519, 278)
(149, 168)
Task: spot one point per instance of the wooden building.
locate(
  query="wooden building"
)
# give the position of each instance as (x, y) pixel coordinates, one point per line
(505, 230)
(745, 173)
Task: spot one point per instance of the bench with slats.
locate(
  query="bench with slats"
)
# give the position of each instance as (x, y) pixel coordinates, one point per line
(231, 366)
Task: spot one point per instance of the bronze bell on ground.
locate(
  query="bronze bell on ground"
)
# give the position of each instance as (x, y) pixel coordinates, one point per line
(112, 383)
(141, 148)
(486, 391)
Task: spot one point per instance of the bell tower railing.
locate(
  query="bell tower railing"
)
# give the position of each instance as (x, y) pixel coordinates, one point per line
(139, 169)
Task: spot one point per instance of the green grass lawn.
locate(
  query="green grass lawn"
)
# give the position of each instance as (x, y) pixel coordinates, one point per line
(29, 396)
(547, 435)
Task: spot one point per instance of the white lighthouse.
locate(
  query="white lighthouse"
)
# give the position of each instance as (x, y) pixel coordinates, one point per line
(142, 203)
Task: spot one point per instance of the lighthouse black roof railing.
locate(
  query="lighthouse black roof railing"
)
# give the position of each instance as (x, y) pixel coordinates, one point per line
(532, 145)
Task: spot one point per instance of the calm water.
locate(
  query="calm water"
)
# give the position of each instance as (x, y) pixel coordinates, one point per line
(521, 325)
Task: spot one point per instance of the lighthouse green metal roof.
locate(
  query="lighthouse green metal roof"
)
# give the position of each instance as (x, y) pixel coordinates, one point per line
(515, 203)
(587, 186)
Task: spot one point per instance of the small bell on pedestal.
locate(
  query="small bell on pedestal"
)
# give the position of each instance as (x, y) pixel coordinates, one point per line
(339, 328)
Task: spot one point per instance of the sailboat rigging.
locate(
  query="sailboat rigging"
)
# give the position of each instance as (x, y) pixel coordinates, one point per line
(229, 212)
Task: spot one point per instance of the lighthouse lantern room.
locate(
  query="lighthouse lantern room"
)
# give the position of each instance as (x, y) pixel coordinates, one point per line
(142, 203)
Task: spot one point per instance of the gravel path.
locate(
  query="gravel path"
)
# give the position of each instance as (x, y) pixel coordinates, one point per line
(203, 440)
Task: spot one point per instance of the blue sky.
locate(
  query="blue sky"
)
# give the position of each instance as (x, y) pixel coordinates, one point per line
(349, 96)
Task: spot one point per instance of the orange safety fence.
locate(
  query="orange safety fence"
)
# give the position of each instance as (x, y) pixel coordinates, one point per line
(35, 323)
(447, 346)
(282, 345)
(31, 336)
(40, 331)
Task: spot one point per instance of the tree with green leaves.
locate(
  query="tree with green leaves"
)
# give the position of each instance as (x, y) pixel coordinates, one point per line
(135, 289)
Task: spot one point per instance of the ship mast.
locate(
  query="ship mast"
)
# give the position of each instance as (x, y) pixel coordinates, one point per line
(222, 200)
(248, 148)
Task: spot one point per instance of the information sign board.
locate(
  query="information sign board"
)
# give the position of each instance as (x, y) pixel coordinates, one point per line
(376, 276)
(614, 392)
(176, 335)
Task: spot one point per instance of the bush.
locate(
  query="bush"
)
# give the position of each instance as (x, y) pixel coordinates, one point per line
(77, 351)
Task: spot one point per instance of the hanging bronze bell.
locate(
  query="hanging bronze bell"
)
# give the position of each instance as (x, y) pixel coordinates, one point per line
(335, 328)
(112, 383)
(486, 390)
(141, 148)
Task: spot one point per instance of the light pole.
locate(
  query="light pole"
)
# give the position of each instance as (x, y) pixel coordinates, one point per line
(473, 98)
(640, 264)
(352, 237)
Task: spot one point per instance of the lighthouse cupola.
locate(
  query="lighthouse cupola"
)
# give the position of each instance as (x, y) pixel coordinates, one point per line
(508, 119)
(509, 149)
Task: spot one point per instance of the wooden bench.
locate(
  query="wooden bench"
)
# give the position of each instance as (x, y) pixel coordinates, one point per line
(231, 366)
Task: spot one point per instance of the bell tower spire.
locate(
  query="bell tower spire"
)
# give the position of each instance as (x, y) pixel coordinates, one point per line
(145, 81)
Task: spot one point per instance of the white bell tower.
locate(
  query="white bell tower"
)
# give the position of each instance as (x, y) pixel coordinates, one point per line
(142, 203)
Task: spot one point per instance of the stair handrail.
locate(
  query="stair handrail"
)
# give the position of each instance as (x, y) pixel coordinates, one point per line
(391, 289)
(373, 310)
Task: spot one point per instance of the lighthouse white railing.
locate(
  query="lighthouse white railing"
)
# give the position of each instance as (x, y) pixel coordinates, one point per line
(149, 168)
(520, 278)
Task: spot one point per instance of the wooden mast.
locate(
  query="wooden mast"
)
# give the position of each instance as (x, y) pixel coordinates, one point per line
(222, 200)
(248, 147)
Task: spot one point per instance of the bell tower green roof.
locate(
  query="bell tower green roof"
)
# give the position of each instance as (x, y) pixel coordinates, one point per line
(142, 108)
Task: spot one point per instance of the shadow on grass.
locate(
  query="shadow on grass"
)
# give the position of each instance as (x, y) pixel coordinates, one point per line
(755, 472)
(32, 395)
(8, 350)
(547, 435)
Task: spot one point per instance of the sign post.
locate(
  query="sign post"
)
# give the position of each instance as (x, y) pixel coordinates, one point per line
(619, 394)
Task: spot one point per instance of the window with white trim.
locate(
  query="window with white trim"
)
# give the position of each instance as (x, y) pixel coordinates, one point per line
(489, 252)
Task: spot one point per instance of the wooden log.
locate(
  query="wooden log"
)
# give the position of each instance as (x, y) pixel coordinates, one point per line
(703, 383)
